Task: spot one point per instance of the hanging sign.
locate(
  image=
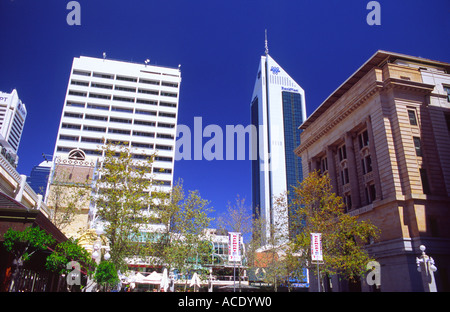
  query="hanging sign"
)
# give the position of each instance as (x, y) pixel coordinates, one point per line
(316, 247)
(234, 247)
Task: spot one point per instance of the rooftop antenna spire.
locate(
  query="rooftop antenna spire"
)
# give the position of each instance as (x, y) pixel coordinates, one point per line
(266, 44)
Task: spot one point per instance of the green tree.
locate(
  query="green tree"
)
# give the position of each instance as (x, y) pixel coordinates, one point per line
(23, 244)
(106, 275)
(269, 247)
(66, 252)
(183, 244)
(126, 199)
(343, 235)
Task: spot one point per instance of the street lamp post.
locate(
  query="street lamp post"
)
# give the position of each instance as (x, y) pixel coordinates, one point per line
(426, 266)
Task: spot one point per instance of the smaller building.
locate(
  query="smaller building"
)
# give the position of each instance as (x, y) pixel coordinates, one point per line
(12, 119)
(38, 177)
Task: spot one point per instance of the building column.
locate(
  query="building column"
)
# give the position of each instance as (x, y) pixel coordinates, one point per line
(374, 159)
(352, 173)
(20, 188)
(332, 168)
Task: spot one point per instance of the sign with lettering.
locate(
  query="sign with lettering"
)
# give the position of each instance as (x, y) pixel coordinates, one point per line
(234, 246)
(316, 247)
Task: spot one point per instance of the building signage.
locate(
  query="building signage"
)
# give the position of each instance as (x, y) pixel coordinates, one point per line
(290, 89)
(234, 247)
(21, 109)
(275, 70)
(316, 247)
(3, 99)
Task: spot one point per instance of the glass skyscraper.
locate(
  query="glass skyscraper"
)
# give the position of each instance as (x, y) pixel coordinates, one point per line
(277, 110)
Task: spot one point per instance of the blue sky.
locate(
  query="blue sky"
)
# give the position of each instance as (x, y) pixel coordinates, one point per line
(218, 44)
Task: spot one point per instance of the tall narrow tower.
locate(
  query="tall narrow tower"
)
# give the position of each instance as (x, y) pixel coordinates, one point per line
(277, 110)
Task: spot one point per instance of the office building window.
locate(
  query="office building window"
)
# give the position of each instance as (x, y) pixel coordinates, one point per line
(73, 115)
(370, 193)
(101, 75)
(91, 140)
(363, 139)
(101, 85)
(169, 84)
(127, 89)
(145, 112)
(94, 106)
(74, 104)
(447, 90)
(417, 146)
(124, 78)
(425, 183)
(79, 83)
(348, 202)
(366, 164)
(342, 153)
(143, 145)
(145, 91)
(447, 121)
(119, 131)
(123, 99)
(344, 176)
(68, 137)
(94, 117)
(120, 120)
(145, 123)
(148, 102)
(144, 134)
(153, 82)
(164, 147)
(81, 72)
(94, 129)
(324, 164)
(167, 104)
(121, 109)
(77, 93)
(70, 126)
(99, 96)
(164, 136)
(412, 117)
(170, 115)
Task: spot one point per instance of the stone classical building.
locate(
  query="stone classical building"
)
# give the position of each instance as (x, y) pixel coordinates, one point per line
(383, 137)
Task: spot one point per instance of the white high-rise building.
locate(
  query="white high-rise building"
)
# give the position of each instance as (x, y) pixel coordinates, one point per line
(119, 102)
(12, 120)
(277, 110)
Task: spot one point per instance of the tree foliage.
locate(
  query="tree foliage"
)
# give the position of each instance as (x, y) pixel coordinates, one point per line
(343, 235)
(66, 252)
(23, 244)
(126, 200)
(106, 275)
(182, 244)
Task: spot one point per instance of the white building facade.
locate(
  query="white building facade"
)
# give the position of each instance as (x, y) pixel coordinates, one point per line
(277, 110)
(120, 102)
(12, 120)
